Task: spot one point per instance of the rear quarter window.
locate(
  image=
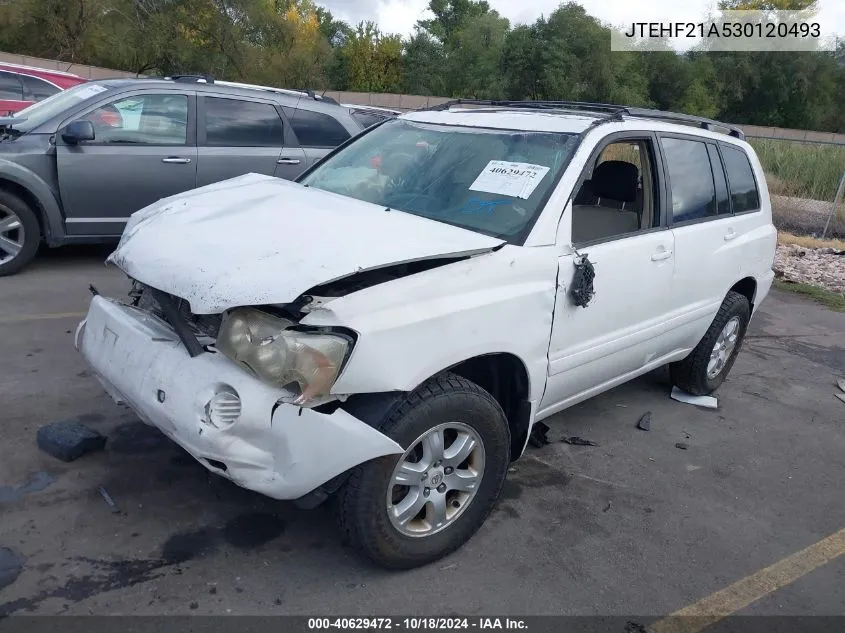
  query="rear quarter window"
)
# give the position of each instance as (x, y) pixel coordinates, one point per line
(741, 182)
(315, 129)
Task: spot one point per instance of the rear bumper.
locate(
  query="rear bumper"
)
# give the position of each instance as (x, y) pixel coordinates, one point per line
(277, 449)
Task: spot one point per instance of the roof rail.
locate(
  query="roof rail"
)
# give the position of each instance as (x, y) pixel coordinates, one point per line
(234, 84)
(605, 112)
(192, 77)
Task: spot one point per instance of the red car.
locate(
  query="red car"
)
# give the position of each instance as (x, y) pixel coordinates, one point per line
(21, 86)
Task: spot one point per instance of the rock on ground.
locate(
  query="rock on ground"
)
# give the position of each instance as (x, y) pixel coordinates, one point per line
(823, 267)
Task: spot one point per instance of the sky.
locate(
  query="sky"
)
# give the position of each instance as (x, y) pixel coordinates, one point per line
(399, 16)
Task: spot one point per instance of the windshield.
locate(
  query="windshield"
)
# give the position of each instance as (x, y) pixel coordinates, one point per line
(43, 111)
(490, 181)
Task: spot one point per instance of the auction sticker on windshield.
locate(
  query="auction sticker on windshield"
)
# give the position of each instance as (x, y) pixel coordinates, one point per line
(89, 91)
(518, 180)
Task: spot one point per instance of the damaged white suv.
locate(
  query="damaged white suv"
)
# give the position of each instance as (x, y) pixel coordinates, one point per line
(388, 328)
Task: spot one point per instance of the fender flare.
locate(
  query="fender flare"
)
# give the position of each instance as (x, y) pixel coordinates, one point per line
(52, 221)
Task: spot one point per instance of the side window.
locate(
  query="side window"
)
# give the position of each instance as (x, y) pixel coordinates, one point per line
(315, 129)
(151, 119)
(366, 119)
(38, 89)
(691, 179)
(617, 196)
(10, 87)
(236, 123)
(744, 194)
(723, 205)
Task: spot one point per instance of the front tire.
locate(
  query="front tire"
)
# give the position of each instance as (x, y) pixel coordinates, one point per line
(407, 511)
(20, 234)
(707, 366)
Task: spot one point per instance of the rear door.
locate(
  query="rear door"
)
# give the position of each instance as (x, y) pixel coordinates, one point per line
(11, 93)
(318, 133)
(144, 150)
(707, 255)
(239, 135)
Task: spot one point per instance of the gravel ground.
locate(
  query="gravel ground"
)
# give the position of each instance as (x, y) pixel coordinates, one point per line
(823, 267)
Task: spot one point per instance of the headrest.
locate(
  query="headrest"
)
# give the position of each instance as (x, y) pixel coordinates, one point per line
(616, 179)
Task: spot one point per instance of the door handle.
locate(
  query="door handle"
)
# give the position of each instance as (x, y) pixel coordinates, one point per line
(288, 161)
(730, 235)
(175, 160)
(656, 257)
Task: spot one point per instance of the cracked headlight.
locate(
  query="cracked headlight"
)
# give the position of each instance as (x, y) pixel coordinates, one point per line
(304, 362)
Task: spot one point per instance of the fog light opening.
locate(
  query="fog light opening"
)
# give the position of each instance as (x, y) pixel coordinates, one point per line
(224, 408)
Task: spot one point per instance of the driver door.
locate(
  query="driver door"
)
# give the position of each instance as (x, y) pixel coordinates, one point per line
(144, 150)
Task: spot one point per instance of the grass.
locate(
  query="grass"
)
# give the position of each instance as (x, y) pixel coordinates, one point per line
(832, 300)
(784, 237)
(801, 170)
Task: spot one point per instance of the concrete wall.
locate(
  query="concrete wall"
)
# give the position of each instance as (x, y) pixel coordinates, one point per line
(89, 72)
(400, 101)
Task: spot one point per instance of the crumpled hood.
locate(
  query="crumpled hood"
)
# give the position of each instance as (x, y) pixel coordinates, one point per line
(257, 239)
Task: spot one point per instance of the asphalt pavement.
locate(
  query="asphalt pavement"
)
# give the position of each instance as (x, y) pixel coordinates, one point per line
(634, 526)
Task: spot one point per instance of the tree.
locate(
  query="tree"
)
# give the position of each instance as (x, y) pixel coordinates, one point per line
(520, 65)
(424, 59)
(475, 62)
(450, 16)
(374, 60)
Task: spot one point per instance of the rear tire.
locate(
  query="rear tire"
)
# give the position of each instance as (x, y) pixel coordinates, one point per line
(705, 369)
(370, 503)
(20, 234)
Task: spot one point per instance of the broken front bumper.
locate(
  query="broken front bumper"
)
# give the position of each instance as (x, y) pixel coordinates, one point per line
(280, 450)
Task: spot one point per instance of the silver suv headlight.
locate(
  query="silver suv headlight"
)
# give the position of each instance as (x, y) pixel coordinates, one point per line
(308, 362)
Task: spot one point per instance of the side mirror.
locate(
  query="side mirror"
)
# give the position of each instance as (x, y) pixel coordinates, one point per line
(78, 131)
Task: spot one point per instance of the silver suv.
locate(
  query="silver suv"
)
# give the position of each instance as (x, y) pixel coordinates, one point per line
(75, 166)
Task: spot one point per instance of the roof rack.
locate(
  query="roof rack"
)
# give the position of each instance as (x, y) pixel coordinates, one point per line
(233, 84)
(605, 112)
(187, 78)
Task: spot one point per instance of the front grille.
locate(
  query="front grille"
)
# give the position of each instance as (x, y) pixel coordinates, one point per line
(202, 325)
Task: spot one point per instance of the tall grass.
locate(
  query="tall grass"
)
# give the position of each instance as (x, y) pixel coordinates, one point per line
(801, 170)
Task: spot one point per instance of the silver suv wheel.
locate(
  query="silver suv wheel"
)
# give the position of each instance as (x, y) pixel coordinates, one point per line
(12, 234)
(436, 479)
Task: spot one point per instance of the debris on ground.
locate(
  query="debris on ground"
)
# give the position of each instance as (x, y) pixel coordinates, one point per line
(680, 395)
(68, 440)
(816, 266)
(607, 507)
(577, 441)
(107, 497)
(644, 423)
(11, 565)
(539, 435)
(682, 445)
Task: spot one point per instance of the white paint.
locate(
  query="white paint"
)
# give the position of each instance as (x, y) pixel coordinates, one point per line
(260, 240)
(518, 180)
(708, 402)
(283, 454)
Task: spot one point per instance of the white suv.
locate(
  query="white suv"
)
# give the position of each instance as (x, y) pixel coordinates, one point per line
(388, 328)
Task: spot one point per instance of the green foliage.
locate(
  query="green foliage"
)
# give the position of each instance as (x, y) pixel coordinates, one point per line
(374, 60)
(464, 50)
(833, 300)
(801, 170)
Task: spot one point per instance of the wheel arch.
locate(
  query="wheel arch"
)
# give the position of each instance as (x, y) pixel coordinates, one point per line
(503, 375)
(37, 194)
(747, 287)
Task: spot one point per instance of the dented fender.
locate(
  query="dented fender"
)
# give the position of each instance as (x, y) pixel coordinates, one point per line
(410, 329)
